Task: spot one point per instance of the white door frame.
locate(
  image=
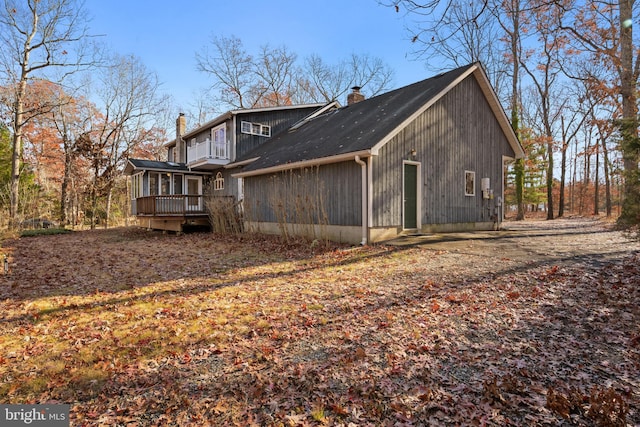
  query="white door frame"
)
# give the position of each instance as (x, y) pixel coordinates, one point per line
(190, 206)
(418, 192)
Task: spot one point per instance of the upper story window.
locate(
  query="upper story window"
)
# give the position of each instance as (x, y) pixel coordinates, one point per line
(218, 135)
(219, 138)
(255, 129)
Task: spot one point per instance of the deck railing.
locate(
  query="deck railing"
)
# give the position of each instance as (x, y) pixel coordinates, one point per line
(206, 150)
(178, 204)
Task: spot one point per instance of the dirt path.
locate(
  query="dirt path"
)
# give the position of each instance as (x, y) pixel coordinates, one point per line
(562, 241)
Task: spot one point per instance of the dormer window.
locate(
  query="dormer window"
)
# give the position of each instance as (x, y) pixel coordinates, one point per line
(255, 129)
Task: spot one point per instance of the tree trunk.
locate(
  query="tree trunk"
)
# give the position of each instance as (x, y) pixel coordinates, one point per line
(629, 125)
(574, 177)
(550, 179)
(64, 191)
(596, 184)
(94, 199)
(94, 208)
(607, 178)
(563, 176)
(586, 178)
(519, 165)
(16, 153)
(108, 207)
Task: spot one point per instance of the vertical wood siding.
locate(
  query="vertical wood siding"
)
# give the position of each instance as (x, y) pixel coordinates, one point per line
(458, 133)
(279, 121)
(333, 190)
(230, 184)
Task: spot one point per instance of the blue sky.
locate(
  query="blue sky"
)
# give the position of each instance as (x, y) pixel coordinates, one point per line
(166, 34)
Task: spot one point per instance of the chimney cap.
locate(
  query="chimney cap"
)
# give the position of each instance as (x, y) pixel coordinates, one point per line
(355, 96)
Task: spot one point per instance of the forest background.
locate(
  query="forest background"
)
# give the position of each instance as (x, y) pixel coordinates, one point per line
(72, 112)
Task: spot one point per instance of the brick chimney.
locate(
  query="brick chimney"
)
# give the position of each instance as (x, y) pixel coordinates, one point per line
(355, 96)
(181, 149)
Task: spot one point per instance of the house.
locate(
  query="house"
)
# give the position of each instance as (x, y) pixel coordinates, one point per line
(428, 157)
(169, 195)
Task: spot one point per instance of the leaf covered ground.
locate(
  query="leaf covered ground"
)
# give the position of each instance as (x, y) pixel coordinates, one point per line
(537, 327)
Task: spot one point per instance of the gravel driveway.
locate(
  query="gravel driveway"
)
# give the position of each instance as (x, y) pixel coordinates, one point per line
(561, 241)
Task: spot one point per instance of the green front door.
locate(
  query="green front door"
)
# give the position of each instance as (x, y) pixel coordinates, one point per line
(410, 193)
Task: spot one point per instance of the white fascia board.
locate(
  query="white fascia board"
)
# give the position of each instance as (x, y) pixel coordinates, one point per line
(376, 148)
(305, 163)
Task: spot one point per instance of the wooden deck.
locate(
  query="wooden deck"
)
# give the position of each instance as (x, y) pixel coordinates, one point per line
(170, 212)
(170, 205)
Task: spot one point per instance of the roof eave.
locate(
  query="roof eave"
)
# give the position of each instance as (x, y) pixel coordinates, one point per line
(305, 163)
(491, 97)
(226, 116)
(241, 163)
(276, 108)
(211, 123)
(421, 110)
(129, 168)
(499, 112)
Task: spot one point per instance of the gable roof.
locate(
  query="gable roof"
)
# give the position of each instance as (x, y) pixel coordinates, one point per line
(363, 128)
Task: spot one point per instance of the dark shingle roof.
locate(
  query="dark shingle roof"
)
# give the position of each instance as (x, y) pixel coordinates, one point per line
(141, 164)
(350, 129)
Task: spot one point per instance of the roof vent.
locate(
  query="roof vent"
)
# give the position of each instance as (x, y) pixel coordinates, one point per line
(355, 96)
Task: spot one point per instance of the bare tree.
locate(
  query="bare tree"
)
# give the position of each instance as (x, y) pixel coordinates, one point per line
(71, 118)
(604, 30)
(231, 68)
(572, 121)
(544, 68)
(126, 97)
(326, 83)
(511, 25)
(462, 31)
(37, 35)
(276, 73)
(330, 82)
(273, 76)
(372, 74)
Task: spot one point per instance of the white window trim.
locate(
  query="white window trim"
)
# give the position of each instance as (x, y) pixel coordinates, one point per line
(173, 183)
(190, 200)
(195, 178)
(470, 174)
(218, 182)
(158, 183)
(248, 128)
(223, 128)
(137, 187)
(418, 192)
